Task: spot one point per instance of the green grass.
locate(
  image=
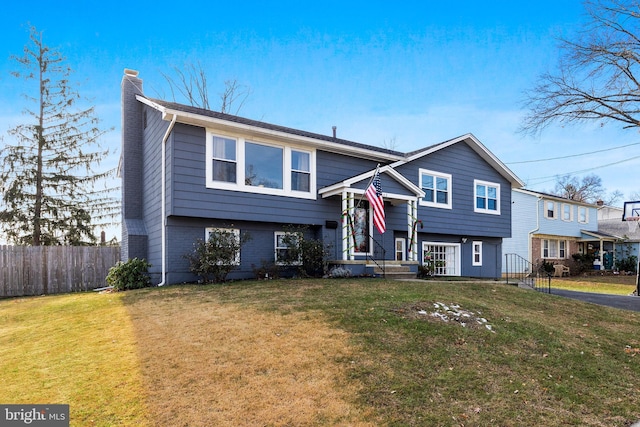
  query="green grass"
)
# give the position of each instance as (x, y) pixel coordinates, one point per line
(73, 349)
(551, 361)
(600, 284)
(547, 361)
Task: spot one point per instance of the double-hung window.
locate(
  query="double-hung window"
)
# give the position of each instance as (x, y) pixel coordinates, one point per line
(224, 163)
(554, 248)
(583, 216)
(286, 252)
(227, 238)
(567, 212)
(300, 171)
(550, 210)
(437, 189)
(487, 197)
(477, 254)
(260, 167)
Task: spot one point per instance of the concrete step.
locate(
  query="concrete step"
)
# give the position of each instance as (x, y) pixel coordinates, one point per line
(399, 275)
(394, 271)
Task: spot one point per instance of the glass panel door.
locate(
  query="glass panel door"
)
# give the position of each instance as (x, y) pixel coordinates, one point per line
(442, 258)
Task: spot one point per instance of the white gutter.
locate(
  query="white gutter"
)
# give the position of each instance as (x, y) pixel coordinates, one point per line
(163, 201)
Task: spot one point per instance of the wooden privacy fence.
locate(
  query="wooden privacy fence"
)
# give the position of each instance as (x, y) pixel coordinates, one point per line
(38, 270)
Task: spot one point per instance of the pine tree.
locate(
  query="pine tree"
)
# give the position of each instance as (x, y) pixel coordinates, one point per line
(48, 177)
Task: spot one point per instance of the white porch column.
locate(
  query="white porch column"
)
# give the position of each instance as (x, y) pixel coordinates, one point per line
(601, 256)
(350, 243)
(412, 217)
(347, 231)
(345, 227)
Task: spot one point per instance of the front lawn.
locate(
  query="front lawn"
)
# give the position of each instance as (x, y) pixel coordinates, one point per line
(323, 352)
(616, 284)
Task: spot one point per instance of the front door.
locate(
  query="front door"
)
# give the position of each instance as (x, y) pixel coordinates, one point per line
(400, 249)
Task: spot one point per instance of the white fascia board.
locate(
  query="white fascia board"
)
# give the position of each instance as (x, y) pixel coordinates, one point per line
(476, 146)
(388, 169)
(151, 104)
(556, 198)
(212, 122)
(337, 189)
(347, 183)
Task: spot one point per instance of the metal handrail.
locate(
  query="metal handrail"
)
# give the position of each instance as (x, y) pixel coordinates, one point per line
(520, 271)
(377, 246)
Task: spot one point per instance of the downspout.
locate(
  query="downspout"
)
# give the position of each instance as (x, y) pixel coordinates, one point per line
(530, 243)
(163, 207)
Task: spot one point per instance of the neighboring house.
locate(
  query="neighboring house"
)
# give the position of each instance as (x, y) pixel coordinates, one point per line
(551, 229)
(627, 233)
(186, 171)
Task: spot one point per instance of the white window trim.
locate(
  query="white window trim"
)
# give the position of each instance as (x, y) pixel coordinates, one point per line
(352, 250)
(487, 184)
(276, 247)
(546, 210)
(586, 215)
(209, 230)
(457, 267)
(435, 204)
(556, 243)
(564, 205)
(474, 253)
(240, 185)
(403, 241)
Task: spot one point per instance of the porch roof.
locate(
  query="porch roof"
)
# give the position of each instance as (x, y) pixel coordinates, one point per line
(413, 191)
(590, 236)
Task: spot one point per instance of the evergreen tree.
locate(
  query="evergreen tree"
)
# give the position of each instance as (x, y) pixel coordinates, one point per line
(48, 177)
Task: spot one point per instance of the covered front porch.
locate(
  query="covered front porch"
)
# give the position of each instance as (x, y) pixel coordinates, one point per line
(362, 247)
(602, 246)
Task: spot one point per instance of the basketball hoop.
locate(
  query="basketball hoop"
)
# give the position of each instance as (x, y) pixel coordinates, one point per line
(633, 223)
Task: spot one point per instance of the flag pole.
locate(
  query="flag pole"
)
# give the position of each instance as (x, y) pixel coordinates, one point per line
(367, 186)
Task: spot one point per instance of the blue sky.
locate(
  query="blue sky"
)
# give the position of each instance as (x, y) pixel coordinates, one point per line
(410, 73)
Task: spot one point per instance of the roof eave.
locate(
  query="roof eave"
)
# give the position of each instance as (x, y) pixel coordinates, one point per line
(221, 124)
(476, 146)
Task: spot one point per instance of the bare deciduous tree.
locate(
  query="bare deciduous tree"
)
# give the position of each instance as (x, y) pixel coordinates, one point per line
(192, 85)
(587, 190)
(597, 77)
(233, 97)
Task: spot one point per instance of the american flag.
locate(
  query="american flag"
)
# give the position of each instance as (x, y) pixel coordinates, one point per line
(374, 195)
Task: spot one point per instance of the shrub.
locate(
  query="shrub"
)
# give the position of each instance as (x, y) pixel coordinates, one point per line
(628, 264)
(546, 267)
(584, 262)
(429, 266)
(306, 254)
(216, 257)
(131, 274)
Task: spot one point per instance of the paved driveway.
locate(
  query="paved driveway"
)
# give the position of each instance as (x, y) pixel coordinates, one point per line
(625, 302)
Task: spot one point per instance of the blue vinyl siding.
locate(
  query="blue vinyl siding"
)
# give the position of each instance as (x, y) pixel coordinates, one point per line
(524, 221)
(529, 221)
(183, 233)
(465, 166)
(192, 206)
(190, 197)
(151, 189)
